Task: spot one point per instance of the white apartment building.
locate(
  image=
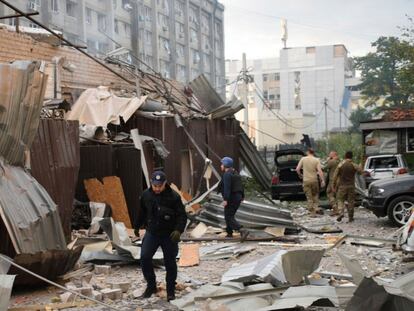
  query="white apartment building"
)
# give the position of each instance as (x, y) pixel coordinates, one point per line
(294, 87)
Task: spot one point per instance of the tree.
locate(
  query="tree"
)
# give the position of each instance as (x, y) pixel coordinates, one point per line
(388, 73)
(357, 116)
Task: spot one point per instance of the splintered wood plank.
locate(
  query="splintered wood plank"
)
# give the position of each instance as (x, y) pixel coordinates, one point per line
(116, 199)
(111, 193)
(189, 255)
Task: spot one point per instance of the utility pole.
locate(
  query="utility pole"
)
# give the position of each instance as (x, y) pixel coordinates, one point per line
(325, 102)
(245, 92)
(340, 118)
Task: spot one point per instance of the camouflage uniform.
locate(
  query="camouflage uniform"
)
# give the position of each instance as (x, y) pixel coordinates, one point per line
(331, 167)
(344, 182)
(311, 189)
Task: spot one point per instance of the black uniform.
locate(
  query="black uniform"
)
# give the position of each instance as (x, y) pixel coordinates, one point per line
(161, 214)
(231, 188)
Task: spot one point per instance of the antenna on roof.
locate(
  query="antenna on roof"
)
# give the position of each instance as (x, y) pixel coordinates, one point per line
(284, 37)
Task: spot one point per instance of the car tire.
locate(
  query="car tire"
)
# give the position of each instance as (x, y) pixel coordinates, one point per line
(399, 210)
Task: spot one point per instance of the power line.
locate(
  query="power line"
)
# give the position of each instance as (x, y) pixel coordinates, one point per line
(264, 133)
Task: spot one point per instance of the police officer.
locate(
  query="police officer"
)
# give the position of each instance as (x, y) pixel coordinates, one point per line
(331, 165)
(163, 215)
(231, 188)
(344, 185)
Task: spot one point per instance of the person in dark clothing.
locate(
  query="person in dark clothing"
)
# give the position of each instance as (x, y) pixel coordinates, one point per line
(163, 215)
(232, 191)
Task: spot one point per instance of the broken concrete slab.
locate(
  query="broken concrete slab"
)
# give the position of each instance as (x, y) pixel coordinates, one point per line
(353, 266)
(112, 294)
(199, 230)
(102, 269)
(123, 286)
(275, 231)
(279, 268)
(67, 296)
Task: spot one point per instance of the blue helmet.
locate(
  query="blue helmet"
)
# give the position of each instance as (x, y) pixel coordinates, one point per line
(227, 162)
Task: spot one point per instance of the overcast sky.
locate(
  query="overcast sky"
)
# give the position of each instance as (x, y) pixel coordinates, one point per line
(253, 26)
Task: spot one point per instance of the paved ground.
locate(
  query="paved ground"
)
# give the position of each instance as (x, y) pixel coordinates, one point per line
(383, 261)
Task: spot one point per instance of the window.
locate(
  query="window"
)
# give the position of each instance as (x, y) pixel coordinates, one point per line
(265, 77)
(126, 5)
(194, 73)
(205, 23)
(114, 3)
(165, 69)
(116, 26)
(193, 36)
(276, 76)
(195, 57)
(179, 9)
(310, 50)
(91, 45)
(207, 62)
(165, 45)
(88, 16)
(127, 29)
(101, 22)
(381, 142)
(148, 14)
(34, 5)
(266, 94)
(148, 37)
(179, 31)
(193, 17)
(180, 49)
(103, 47)
(410, 140)
(181, 75)
(54, 5)
(383, 162)
(163, 21)
(71, 8)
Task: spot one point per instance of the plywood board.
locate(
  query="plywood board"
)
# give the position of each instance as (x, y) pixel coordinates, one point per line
(111, 193)
(189, 255)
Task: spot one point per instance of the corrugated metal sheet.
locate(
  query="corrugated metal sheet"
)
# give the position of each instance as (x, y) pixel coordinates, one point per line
(254, 162)
(205, 93)
(96, 161)
(22, 88)
(28, 212)
(55, 164)
(49, 264)
(128, 168)
(6, 285)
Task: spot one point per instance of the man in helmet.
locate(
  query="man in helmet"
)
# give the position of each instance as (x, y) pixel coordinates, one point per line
(231, 188)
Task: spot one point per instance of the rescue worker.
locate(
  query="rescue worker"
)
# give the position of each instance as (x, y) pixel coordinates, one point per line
(344, 185)
(311, 167)
(331, 166)
(163, 215)
(231, 189)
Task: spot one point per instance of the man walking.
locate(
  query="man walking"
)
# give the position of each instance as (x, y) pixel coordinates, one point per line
(231, 188)
(344, 184)
(331, 166)
(311, 169)
(163, 215)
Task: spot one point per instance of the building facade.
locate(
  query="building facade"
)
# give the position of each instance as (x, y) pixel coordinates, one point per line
(288, 95)
(178, 38)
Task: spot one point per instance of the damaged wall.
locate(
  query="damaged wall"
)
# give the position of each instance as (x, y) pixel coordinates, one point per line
(55, 164)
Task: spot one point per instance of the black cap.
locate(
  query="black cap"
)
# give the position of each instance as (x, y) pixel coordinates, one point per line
(158, 178)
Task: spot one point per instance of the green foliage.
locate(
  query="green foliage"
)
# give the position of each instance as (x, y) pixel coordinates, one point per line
(357, 116)
(388, 73)
(341, 143)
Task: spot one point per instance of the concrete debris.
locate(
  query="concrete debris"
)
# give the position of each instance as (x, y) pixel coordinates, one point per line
(66, 297)
(199, 231)
(123, 286)
(275, 231)
(112, 294)
(102, 269)
(224, 251)
(279, 268)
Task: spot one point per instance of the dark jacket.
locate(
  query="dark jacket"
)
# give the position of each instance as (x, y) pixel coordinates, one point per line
(231, 185)
(162, 213)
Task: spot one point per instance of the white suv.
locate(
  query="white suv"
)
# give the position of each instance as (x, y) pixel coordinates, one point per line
(384, 166)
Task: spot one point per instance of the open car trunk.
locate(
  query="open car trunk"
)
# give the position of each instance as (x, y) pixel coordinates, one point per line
(286, 162)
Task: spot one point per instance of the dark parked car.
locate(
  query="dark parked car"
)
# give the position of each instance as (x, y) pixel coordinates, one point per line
(286, 181)
(393, 197)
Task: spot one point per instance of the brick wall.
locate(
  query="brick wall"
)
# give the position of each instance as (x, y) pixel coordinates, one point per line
(17, 46)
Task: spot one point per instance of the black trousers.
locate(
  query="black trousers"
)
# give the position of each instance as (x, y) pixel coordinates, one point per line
(150, 244)
(230, 212)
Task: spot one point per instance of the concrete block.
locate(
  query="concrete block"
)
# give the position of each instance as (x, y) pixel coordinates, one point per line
(102, 269)
(124, 286)
(97, 295)
(67, 297)
(86, 291)
(113, 294)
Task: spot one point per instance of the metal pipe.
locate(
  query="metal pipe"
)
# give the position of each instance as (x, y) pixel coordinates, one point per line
(19, 15)
(66, 41)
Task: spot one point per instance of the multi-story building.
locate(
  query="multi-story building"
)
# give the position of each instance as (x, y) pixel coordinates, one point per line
(179, 38)
(288, 95)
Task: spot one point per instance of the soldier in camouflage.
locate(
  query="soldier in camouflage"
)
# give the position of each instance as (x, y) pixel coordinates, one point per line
(344, 185)
(332, 164)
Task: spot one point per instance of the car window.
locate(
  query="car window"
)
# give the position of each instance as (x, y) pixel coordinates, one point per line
(385, 162)
(289, 159)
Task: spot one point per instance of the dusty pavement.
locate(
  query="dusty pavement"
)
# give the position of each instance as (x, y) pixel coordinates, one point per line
(381, 261)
